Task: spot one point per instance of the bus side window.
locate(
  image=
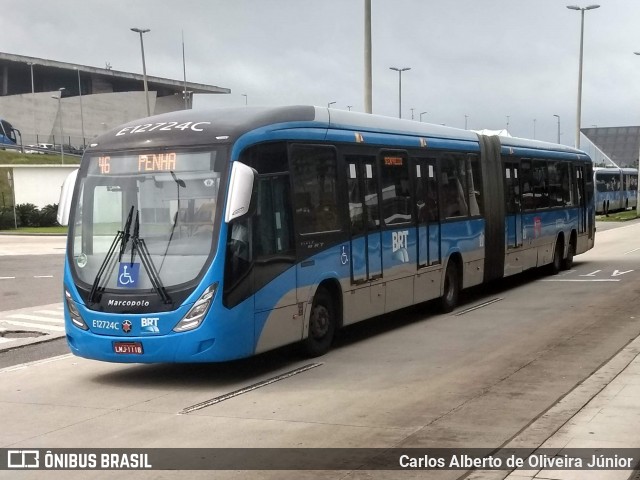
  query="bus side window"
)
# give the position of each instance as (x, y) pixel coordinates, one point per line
(453, 184)
(314, 170)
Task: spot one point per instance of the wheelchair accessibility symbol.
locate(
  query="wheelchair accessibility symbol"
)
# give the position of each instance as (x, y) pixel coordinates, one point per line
(344, 258)
(128, 275)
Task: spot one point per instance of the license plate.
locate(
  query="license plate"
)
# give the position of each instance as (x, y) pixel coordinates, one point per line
(128, 348)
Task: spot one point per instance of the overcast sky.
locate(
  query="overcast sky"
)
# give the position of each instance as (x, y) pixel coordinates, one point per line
(487, 59)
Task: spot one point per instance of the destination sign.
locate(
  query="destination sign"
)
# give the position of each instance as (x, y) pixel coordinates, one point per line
(393, 161)
(151, 163)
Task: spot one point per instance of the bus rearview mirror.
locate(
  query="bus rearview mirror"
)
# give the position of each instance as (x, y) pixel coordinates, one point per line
(240, 191)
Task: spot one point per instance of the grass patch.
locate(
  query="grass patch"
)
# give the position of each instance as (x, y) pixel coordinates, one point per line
(13, 157)
(618, 216)
(30, 230)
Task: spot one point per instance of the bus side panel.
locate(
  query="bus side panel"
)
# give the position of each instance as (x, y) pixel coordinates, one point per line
(399, 248)
(280, 322)
(541, 229)
(276, 312)
(466, 237)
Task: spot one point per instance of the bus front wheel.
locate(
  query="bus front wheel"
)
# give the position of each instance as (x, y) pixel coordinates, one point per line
(451, 291)
(322, 325)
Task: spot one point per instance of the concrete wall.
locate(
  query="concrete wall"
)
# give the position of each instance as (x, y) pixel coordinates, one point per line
(39, 184)
(39, 114)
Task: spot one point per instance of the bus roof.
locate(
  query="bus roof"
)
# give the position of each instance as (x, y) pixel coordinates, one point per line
(225, 125)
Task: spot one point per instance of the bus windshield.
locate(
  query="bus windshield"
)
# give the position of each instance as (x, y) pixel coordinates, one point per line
(145, 218)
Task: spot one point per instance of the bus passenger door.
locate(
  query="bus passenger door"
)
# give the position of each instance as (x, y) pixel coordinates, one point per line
(580, 197)
(274, 273)
(364, 215)
(513, 208)
(428, 213)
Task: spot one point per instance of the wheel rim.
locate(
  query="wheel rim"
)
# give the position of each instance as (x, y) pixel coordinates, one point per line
(320, 321)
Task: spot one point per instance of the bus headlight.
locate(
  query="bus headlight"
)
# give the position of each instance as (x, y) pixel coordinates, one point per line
(196, 314)
(73, 311)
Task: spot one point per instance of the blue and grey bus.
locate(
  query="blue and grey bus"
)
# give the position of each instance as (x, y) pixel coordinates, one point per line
(7, 133)
(201, 236)
(616, 188)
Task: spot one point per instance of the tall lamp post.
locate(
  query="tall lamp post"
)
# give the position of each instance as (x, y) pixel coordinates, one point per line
(558, 117)
(59, 98)
(400, 70)
(81, 114)
(246, 99)
(144, 67)
(638, 187)
(422, 113)
(33, 103)
(329, 104)
(579, 111)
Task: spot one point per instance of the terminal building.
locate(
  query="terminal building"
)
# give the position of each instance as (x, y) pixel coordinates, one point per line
(86, 100)
(614, 145)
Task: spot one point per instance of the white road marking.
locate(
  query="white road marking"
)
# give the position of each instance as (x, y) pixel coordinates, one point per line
(37, 318)
(43, 276)
(631, 251)
(51, 312)
(35, 326)
(7, 278)
(581, 280)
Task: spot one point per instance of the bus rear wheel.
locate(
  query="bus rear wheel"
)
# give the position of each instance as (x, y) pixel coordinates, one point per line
(451, 292)
(322, 325)
(567, 263)
(556, 264)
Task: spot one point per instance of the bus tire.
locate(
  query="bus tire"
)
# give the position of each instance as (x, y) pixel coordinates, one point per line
(451, 291)
(322, 325)
(567, 262)
(556, 264)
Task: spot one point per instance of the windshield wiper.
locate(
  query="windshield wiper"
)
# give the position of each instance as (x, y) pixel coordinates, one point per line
(139, 244)
(121, 238)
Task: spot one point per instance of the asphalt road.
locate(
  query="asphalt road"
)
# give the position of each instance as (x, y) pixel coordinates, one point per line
(412, 379)
(30, 280)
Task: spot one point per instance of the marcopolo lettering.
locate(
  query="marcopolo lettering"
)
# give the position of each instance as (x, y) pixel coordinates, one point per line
(128, 303)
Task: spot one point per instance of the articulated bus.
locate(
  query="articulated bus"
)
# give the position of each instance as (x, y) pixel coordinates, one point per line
(616, 188)
(208, 236)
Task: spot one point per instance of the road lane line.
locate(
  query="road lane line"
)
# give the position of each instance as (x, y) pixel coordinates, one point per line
(7, 278)
(631, 251)
(582, 280)
(51, 312)
(37, 318)
(43, 276)
(35, 363)
(37, 326)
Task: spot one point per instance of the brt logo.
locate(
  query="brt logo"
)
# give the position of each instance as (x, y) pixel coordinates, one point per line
(399, 240)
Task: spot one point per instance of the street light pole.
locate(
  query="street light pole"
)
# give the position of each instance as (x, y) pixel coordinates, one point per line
(534, 128)
(579, 110)
(59, 98)
(638, 183)
(246, 99)
(466, 117)
(368, 104)
(400, 70)
(144, 67)
(558, 117)
(329, 104)
(33, 103)
(81, 114)
(422, 113)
